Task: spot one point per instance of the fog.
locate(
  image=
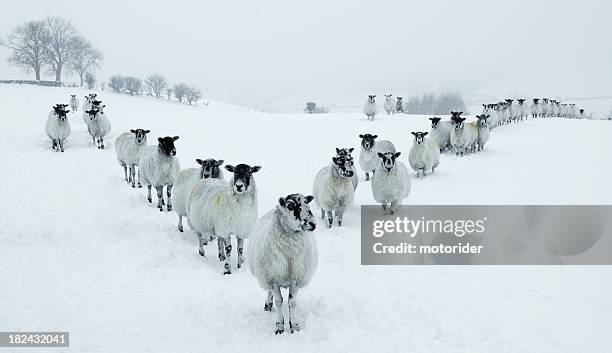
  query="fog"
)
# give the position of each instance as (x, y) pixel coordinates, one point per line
(271, 52)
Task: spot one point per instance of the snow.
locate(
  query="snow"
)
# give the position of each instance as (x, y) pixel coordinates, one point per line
(83, 252)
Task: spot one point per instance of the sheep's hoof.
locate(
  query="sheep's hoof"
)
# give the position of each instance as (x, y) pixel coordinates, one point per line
(102, 147)
(280, 328)
(161, 208)
(228, 270)
(268, 307)
(169, 207)
(239, 264)
(139, 185)
(180, 228)
(201, 252)
(133, 186)
(294, 327)
(221, 257)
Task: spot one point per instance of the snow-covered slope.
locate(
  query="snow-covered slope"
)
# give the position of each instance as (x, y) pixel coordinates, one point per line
(83, 252)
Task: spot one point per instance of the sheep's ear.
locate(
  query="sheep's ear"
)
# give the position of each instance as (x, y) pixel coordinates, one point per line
(309, 198)
(255, 169)
(133, 131)
(334, 159)
(425, 133)
(337, 150)
(219, 162)
(104, 106)
(397, 154)
(460, 113)
(199, 161)
(413, 133)
(375, 136)
(351, 149)
(281, 201)
(360, 136)
(175, 138)
(159, 139)
(229, 168)
(147, 131)
(380, 155)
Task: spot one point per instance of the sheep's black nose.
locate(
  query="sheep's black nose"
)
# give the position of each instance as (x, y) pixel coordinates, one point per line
(311, 226)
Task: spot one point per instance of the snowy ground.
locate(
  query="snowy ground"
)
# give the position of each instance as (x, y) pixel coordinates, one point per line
(80, 251)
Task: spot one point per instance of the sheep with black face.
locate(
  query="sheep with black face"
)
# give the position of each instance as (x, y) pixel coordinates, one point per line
(440, 133)
(347, 152)
(463, 135)
(333, 189)
(186, 181)
(58, 126)
(222, 209)
(159, 167)
(424, 155)
(368, 158)
(391, 182)
(371, 108)
(399, 105)
(483, 131)
(129, 147)
(99, 126)
(283, 254)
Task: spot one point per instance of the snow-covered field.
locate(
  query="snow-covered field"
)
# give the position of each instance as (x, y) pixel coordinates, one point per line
(80, 251)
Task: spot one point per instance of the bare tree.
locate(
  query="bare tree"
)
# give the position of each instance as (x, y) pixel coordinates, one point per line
(28, 43)
(311, 107)
(156, 84)
(133, 85)
(193, 95)
(117, 83)
(90, 78)
(180, 91)
(84, 57)
(59, 50)
(169, 92)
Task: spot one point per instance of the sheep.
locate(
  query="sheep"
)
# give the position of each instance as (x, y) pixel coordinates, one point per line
(186, 180)
(220, 208)
(159, 166)
(391, 182)
(440, 133)
(74, 102)
(58, 127)
(98, 127)
(424, 155)
(87, 105)
(368, 158)
(523, 110)
(463, 135)
(535, 108)
(333, 189)
(129, 147)
(389, 104)
(346, 152)
(483, 131)
(283, 254)
(371, 109)
(399, 106)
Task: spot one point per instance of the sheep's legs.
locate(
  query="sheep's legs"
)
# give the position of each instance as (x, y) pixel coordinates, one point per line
(278, 302)
(293, 325)
(339, 214)
(149, 194)
(221, 246)
(133, 175)
(169, 196)
(102, 143)
(54, 144)
(160, 197)
(61, 144)
(240, 247)
(330, 219)
(228, 256)
(393, 207)
(125, 173)
(202, 240)
(180, 226)
(268, 303)
(322, 214)
(367, 176)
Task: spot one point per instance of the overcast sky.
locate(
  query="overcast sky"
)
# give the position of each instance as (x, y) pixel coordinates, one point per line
(271, 52)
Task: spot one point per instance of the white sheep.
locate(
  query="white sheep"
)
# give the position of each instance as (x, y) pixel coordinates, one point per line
(389, 104)
(87, 105)
(58, 127)
(464, 135)
(283, 254)
(159, 166)
(186, 180)
(391, 182)
(424, 155)
(98, 126)
(333, 189)
(535, 108)
(346, 152)
(368, 157)
(483, 131)
(129, 147)
(74, 102)
(371, 109)
(399, 105)
(222, 209)
(440, 133)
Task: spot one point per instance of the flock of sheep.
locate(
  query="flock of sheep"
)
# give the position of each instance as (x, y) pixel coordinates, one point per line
(282, 250)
